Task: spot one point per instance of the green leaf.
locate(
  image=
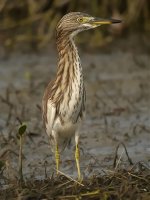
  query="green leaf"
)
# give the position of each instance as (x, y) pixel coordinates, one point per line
(22, 130)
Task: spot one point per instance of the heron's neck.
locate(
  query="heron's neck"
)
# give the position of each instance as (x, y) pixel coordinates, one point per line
(69, 67)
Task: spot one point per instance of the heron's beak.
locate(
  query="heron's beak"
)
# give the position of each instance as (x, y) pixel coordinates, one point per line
(99, 21)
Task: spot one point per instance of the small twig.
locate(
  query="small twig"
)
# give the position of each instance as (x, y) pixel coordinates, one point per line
(20, 134)
(140, 165)
(62, 185)
(19, 120)
(137, 177)
(7, 150)
(116, 154)
(69, 177)
(9, 116)
(4, 100)
(76, 197)
(119, 160)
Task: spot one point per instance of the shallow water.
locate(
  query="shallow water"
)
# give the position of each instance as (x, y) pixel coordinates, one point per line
(118, 102)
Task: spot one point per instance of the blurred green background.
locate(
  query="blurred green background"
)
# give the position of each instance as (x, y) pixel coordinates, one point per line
(32, 22)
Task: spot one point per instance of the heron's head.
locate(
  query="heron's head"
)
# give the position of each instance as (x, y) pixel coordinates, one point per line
(75, 22)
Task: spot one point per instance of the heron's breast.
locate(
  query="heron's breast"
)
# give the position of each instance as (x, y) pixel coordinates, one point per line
(72, 101)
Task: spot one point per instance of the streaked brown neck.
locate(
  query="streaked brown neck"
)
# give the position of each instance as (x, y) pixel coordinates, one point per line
(69, 66)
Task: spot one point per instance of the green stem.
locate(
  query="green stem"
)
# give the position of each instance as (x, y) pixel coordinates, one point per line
(20, 160)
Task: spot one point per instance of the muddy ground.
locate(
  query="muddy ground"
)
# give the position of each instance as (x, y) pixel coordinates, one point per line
(118, 110)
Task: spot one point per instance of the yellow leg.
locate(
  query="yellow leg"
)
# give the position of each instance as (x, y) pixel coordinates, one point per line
(57, 158)
(77, 157)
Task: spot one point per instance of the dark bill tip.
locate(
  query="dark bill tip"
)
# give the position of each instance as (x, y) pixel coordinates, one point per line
(115, 21)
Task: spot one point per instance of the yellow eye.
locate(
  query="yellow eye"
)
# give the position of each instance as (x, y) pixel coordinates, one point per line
(80, 20)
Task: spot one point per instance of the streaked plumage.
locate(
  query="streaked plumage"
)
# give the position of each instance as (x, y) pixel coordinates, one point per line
(64, 98)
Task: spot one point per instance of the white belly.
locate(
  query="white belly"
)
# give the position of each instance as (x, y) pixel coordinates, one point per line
(62, 133)
(64, 130)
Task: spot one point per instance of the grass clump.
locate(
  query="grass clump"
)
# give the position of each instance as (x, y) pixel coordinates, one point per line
(119, 184)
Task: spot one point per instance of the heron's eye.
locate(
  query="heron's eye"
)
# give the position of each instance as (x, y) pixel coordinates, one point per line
(80, 20)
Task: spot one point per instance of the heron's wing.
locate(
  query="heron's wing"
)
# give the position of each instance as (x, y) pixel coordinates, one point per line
(51, 113)
(49, 110)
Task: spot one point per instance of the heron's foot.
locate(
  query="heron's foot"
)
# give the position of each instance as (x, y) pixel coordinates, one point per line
(77, 157)
(57, 159)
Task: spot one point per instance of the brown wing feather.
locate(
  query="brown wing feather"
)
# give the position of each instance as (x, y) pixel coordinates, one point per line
(46, 97)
